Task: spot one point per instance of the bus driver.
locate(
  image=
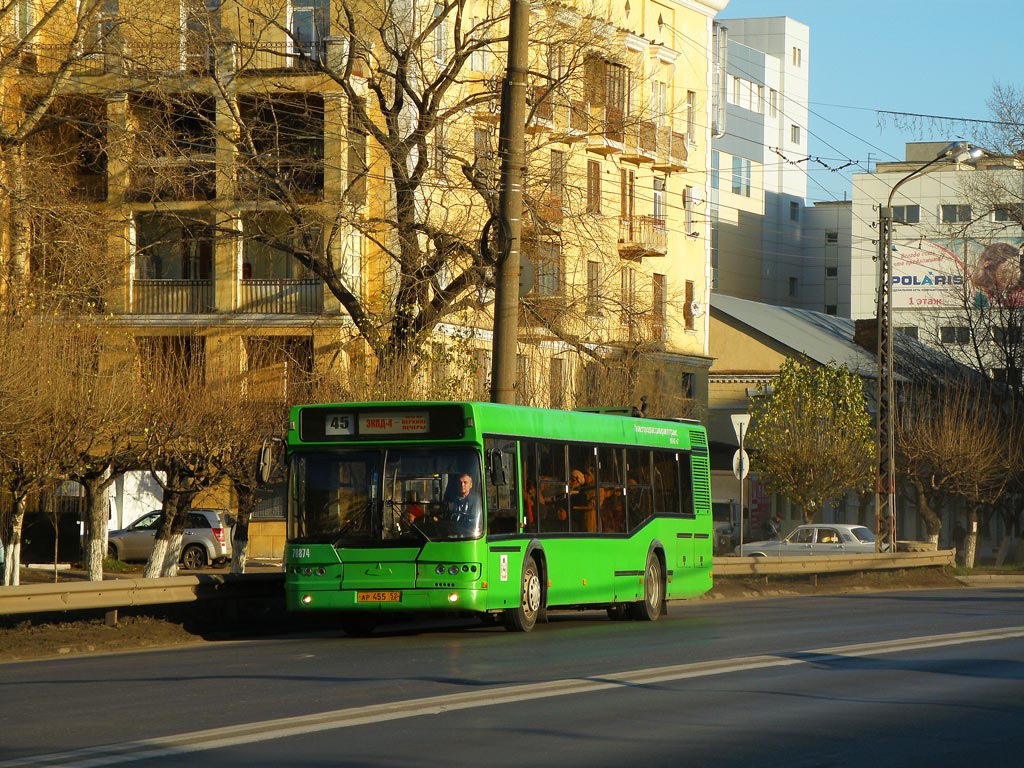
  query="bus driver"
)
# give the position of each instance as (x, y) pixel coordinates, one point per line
(463, 507)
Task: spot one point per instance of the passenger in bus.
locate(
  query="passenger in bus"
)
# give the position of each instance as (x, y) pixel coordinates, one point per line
(531, 501)
(413, 508)
(577, 500)
(613, 518)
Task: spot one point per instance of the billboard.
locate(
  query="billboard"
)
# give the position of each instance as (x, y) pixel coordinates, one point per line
(931, 273)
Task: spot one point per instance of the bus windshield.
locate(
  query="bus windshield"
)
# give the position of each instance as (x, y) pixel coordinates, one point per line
(385, 497)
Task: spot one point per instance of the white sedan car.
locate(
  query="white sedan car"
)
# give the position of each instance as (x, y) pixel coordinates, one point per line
(814, 540)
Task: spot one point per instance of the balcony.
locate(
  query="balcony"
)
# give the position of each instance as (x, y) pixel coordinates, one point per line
(543, 118)
(641, 236)
(172, 297)
(282, 296)
(173, 178)
(671, 151)
(302, 177)
(607, 130)
(641, 142)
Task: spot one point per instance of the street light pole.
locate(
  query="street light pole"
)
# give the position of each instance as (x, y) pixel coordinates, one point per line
(885, 488)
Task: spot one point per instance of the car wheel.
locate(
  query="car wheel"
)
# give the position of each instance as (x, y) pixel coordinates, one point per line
(112, 552)
(193, 558)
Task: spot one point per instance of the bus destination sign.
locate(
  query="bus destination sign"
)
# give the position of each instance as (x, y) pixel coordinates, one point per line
(405, 423)
(409, 423)
(434, 422)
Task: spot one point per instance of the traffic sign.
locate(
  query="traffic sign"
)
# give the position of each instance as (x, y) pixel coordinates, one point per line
(740, 464)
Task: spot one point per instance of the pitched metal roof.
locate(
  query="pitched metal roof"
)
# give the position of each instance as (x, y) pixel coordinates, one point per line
(814, 335)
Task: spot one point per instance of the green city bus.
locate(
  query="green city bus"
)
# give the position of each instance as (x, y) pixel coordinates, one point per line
(494, 510)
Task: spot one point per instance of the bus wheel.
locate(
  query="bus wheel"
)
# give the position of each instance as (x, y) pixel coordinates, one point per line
(619, 612)
(649, 609)
(358, 624)
(523, 618)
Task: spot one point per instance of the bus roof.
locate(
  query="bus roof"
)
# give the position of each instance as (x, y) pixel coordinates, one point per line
(447, 421)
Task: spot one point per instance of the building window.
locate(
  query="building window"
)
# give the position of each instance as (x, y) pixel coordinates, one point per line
(1008, 213)
(691, 116)
(440, 33)
(954, 334)
(831, 309)
(956, 214)
(798, 56)
(831, 237)
(906, 214)
(832, 271)
(1003, 335)
(556, 383)
(558, 175)
(659, 101)
(741, 176)
(688, 209)
(773, 103)
(594, 287)
(659, 198)
(910, 331)
(688, 299)
(549, 269)
(759, 106)
(627, 192)
(594, 186)
(310, 28)
(737, 86)
(357, 168)
(659, 305)
(628, 296)
(794, 211)
(169, 247)
(794, 134)
(793, 287)
(716, 170)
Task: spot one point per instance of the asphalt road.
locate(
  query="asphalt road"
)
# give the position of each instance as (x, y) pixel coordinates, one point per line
(890, 679)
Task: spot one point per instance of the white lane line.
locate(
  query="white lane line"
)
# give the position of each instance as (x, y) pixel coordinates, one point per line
(248, 733)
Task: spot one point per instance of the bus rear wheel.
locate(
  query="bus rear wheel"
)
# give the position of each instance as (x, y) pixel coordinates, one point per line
(649, 609)
(524, 617)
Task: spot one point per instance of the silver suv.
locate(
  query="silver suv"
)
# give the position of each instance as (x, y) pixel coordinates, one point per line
(207, 539)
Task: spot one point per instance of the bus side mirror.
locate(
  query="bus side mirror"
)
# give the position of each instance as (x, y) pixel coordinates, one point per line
(265, 461)
(496, 468)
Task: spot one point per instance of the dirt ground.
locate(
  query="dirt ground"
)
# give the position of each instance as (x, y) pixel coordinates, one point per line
(34, 637)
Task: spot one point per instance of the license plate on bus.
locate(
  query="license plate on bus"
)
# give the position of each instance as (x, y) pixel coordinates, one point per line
(378, 597)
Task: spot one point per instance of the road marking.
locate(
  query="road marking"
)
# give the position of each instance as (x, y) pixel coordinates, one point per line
(218, 738)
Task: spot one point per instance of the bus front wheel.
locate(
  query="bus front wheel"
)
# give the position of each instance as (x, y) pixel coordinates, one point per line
(524, 617)
(649, 609)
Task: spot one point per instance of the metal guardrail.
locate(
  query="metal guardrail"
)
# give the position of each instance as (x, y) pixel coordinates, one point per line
(796, 566)
(128, 593)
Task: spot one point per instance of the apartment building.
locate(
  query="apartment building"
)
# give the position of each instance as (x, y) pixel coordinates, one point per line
(290, 187)
(957, 237)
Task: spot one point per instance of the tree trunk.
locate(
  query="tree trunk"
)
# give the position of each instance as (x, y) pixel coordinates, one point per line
(12, 542)
(971, 541)
(240, 533)
(96, 520)
(932, 521)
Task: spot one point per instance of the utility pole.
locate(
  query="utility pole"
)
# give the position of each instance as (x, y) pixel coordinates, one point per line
(512, 151)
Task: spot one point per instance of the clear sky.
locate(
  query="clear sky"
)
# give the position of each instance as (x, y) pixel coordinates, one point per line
(930, 57)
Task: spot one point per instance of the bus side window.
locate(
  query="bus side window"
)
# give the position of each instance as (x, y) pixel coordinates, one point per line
(638, 486)
(666, 483)
(554, 485)
(686, 485)
(500, 480)
(612, 492)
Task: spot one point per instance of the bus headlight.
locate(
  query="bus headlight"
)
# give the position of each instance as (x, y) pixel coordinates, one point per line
(307, 599)
(453, 570)
(439, 570)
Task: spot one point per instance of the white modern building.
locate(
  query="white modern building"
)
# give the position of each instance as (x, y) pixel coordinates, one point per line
(946, 222)
(758, 177)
